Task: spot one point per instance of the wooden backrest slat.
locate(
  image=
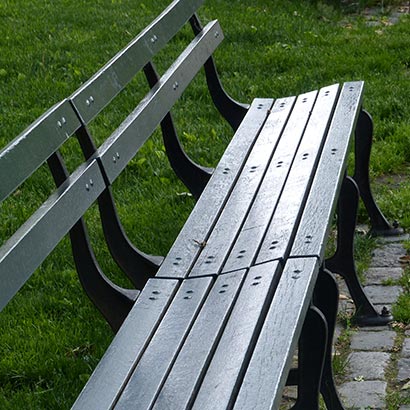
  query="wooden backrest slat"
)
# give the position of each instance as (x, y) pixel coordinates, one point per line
(100, 89)
(123, 144)
(27, 152)
(39, 235)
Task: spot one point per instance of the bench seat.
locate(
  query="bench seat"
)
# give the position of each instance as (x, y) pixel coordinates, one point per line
(236, 285)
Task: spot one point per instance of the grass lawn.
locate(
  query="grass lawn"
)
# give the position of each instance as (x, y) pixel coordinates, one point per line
(51, 337)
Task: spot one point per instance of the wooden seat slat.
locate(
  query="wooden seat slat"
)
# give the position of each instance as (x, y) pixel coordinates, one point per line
(149, 374)
(239, 201)
(262, 208)
(312, 232)
(189, 368)
(196, 229)
(115, 368)
(230, 359)
(272, 357)
(283, 225)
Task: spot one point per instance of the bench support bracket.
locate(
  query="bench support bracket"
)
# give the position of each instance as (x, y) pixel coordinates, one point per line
(113, 302)
(312, 347)
(137, 265)
(342, 262)
(363, 144)
(194, 176)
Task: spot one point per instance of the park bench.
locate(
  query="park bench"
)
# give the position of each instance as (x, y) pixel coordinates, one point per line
(216, 323)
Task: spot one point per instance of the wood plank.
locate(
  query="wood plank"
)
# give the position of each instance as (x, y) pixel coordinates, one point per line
(117, 151)
(196, 230)
(230, 360)
(282, 227)
(269, 366)
(114, 369)
(28, 151)
(231, 219)
(153, 367)
(248, 242)
(193, 359)
(316, 221)
(39, 235)
(103, 86)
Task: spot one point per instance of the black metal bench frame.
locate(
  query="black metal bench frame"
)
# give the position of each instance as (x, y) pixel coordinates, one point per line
(193, 261)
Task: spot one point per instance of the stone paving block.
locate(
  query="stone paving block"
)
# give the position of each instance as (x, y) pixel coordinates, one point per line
(404, 370)
(406, 348)
(368, 341)
(390, 239)
(367, 365)
(388, 255)
(366, 394)
(383, 294)
(377, 276)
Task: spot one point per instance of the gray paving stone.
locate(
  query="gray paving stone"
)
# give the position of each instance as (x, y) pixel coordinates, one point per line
(405, 407)
(406, 348)
(376, 276)
(390, 239)
(388, 255)
(366, 394)
(370, 341)
(404, 370)
(383, 294)
(367, 365)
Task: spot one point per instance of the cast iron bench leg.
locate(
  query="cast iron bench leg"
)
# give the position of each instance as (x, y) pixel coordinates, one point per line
(342, 261)
(194, 176)
(326, 298)
(137, 265)
(312, 348)
(112, 301)
(363, 145)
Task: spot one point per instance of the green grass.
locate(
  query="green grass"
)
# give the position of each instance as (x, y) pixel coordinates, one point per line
(51, 336)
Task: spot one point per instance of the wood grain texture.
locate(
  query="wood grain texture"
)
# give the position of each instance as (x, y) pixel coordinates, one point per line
(229, 362)
(314, 227)
(195, 232)
(267, 372)
(152, 369)
(232, 217)
(193, 359)
(282, 227)
(115, 368)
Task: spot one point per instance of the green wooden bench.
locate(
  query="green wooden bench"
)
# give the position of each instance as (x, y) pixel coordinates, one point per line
(216, 322)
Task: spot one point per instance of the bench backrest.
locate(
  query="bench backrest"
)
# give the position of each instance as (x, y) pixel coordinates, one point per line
(27, 248)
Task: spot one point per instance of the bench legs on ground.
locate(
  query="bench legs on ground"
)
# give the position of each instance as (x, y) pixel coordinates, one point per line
(343, 260)
(194, 176)
(363, 143)
(314, 373)
(312, 347)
